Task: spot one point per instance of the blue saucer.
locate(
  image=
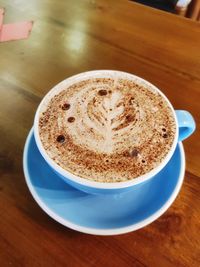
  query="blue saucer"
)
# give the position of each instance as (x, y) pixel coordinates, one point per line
(102, 214)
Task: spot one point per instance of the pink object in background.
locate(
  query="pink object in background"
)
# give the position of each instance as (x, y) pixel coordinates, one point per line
(14, 31)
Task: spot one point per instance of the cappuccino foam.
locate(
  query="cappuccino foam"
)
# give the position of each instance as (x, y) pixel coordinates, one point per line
(107, 129)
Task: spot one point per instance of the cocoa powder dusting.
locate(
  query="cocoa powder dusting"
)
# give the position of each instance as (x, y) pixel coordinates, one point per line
(107, 130)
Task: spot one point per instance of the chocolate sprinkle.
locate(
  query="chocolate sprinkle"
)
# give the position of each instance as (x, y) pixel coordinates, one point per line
(60, 138)
(102, 92)
(134, 152)
(71, 119)
(66, 106)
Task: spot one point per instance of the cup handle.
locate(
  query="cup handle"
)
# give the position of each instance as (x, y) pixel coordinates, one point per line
(186, 124)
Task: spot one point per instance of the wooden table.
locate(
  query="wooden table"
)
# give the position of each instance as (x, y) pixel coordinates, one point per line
(69, 37)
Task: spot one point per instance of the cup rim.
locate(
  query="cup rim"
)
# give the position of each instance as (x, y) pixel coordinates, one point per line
(86, 182)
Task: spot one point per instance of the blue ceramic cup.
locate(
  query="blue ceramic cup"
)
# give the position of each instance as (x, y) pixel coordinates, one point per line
(185, 126)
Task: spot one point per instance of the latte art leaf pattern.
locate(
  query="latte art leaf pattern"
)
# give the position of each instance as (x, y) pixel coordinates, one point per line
(103, 120)
(107, 130)
(108, 115)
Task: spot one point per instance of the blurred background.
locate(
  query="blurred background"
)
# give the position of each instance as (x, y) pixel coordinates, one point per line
(186, 8)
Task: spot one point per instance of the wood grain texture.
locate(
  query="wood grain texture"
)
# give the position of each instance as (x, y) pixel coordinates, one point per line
(69, 37)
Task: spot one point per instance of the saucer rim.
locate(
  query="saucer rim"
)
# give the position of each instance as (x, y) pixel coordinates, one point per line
(96, 231)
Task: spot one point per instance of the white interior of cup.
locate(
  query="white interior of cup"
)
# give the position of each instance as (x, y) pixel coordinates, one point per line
(84, 76)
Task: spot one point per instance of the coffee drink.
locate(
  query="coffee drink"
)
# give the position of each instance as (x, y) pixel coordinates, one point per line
(107, 129)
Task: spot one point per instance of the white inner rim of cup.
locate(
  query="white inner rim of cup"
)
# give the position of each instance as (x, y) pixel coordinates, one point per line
(83, 181)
